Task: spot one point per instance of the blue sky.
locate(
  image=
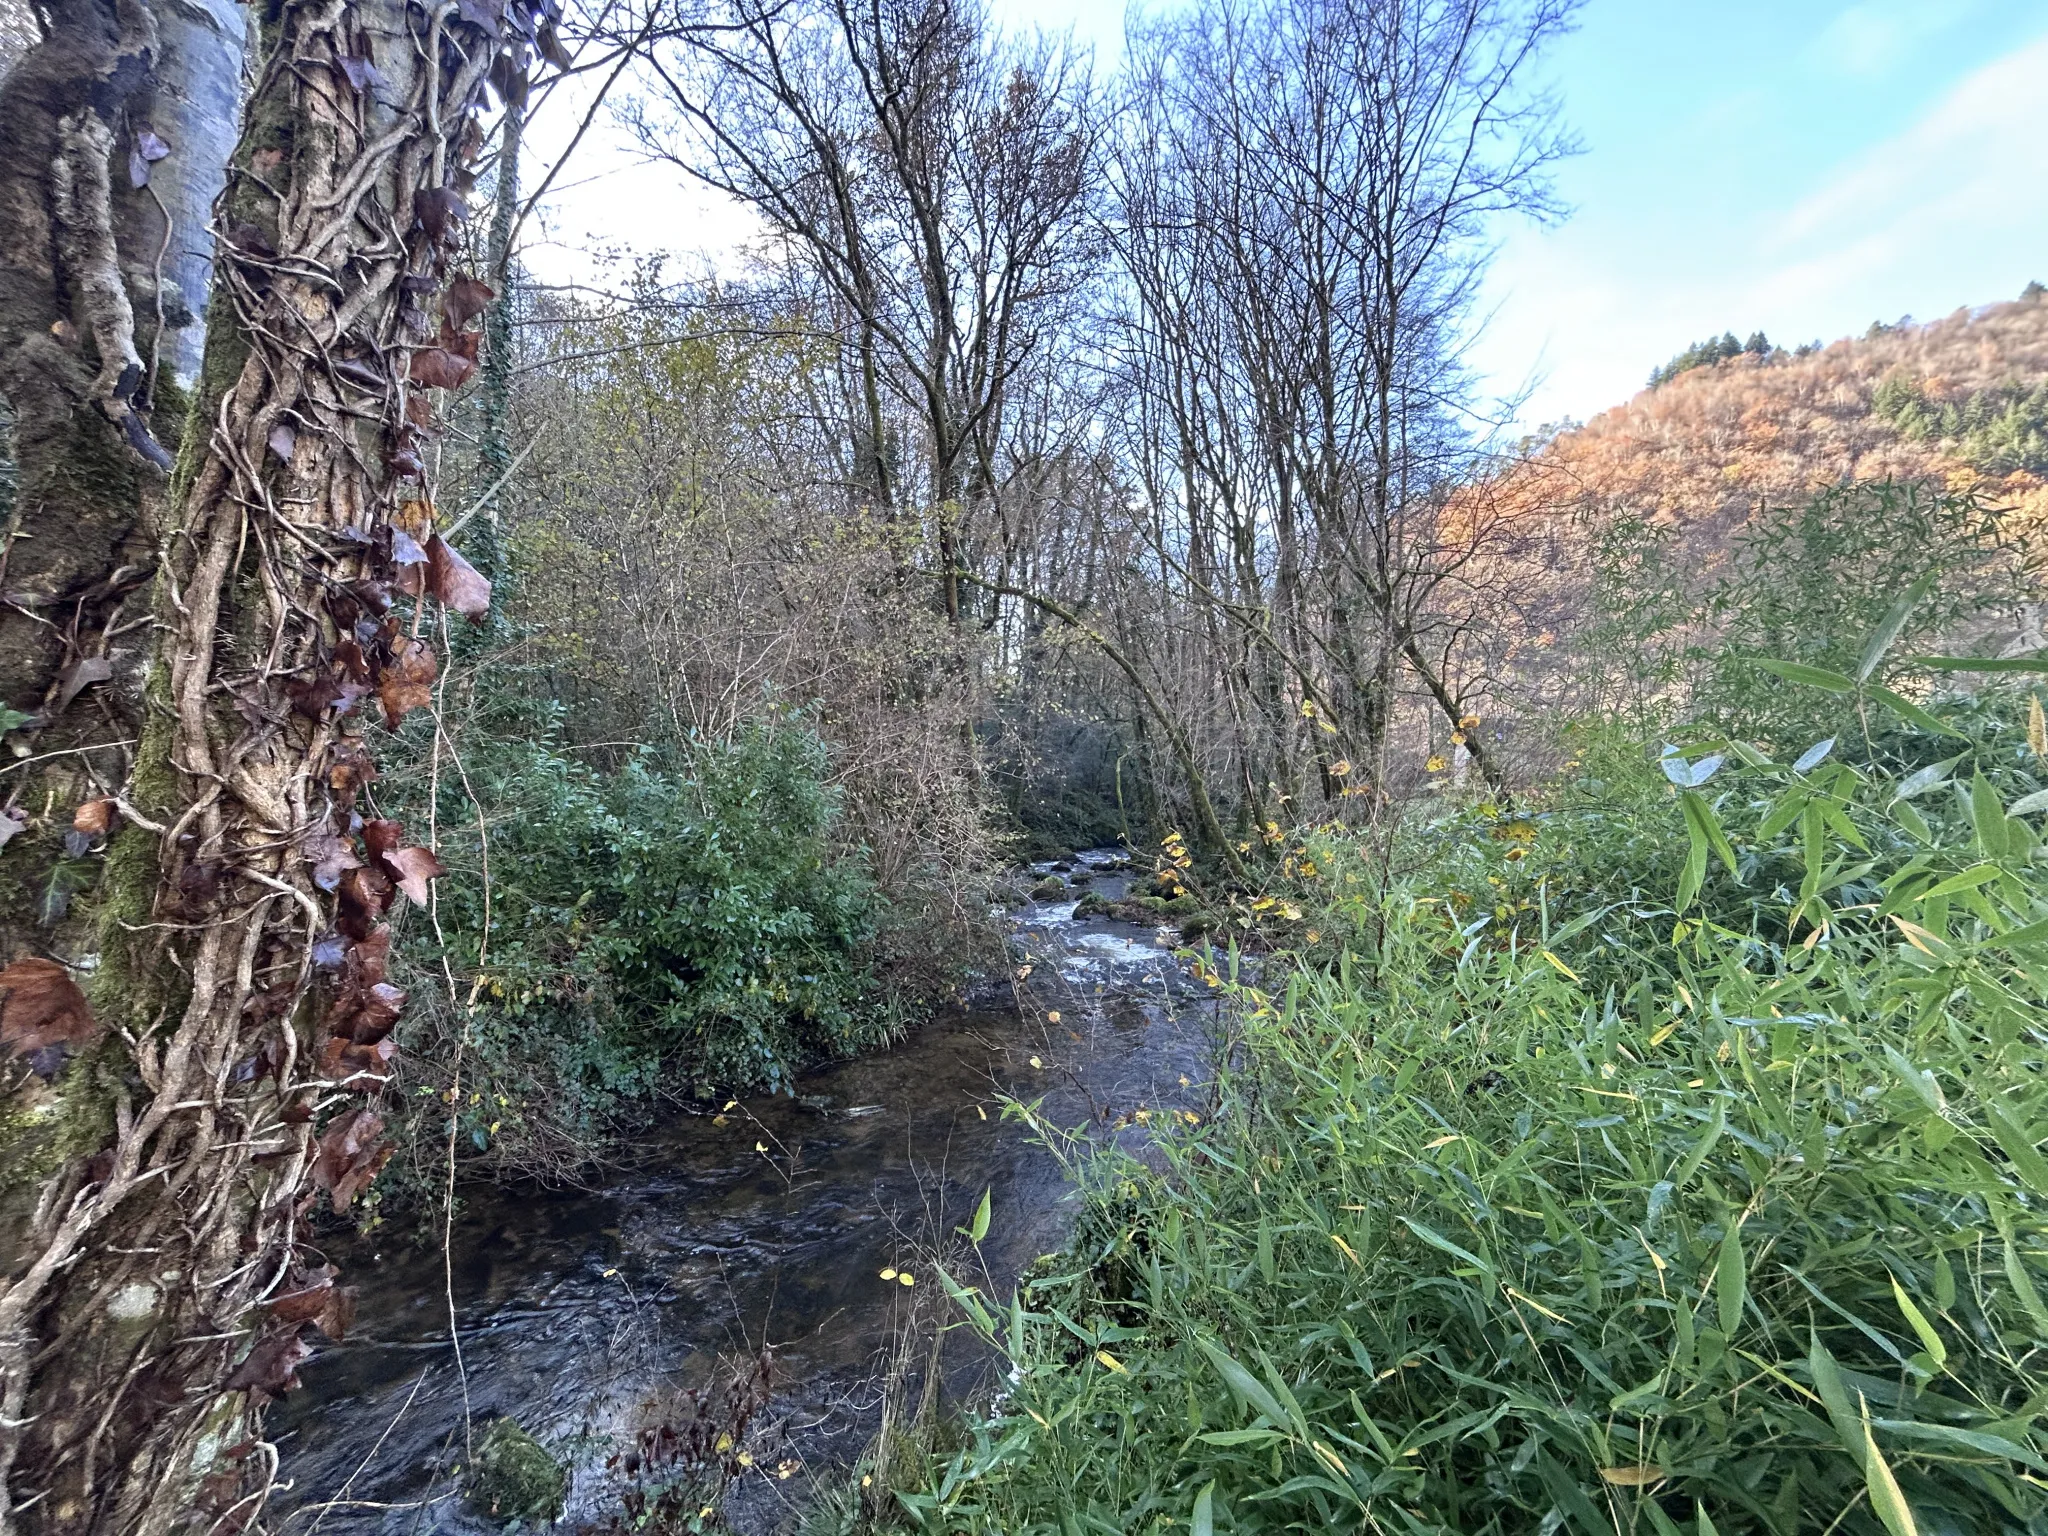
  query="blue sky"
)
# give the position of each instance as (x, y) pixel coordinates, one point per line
(1797, 166)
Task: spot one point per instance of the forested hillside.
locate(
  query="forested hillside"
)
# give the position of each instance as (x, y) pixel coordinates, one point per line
(1961, 402)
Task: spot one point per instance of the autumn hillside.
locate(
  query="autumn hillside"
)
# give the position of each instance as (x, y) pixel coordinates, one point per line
(1961, 400)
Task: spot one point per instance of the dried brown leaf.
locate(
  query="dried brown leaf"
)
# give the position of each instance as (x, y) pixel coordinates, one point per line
(41, 1007)
(272, 1365)
(413, 867)
(467, 297)
(80, 674)
(455, 582)
(407, 682)
(95, 818)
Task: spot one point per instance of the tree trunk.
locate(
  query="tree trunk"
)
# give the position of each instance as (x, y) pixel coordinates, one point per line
(238, 1015)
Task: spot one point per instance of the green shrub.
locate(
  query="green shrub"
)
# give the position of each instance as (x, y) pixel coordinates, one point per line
(683, 923)
(1582, 1203)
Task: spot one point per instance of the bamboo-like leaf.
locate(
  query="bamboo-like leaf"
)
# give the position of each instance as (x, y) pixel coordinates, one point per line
(1698, 1155)
(1920, 780)
(2018, 1145)
(1731, 1280)
(1907, 710)
(1202, 1522)
(2023, 1287)
(1243, 1382)
(1889, 626)
(1813, 756)
(1983, 663)
(1885, 1496)
(1930, 1340)
(978, 1229)
(1813, 677)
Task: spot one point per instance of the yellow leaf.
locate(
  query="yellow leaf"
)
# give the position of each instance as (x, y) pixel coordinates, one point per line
(906, 1278)
(724, 1444)
(1335, 1462)
(1918, 937)
(1634, 1477)
(889, 1273)
(1347, 1250)
(1036, 1062)
(1053, 1017)
(1664, 1034)
(1431, 1146)
(1533, 1302)
(1110, 1362)
(760, 1146)
(2037, 727)
(1560, 967)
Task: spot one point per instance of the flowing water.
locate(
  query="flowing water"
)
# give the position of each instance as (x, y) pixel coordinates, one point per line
(585, 1315)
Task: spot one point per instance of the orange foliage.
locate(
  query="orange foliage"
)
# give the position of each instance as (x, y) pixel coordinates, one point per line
(1704, 450)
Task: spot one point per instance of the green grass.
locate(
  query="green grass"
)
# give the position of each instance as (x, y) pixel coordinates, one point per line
(1536, 1205)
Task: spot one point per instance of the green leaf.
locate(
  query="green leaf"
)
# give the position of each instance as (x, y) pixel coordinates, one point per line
(1983, 663)
(1889, 626)
(1987, 816)
(1436, 1239)
(1231, 1437)
(1968, 880)
(1243, 1382)
(1709, 824)
(978, 1229)
(2014, 1140)
(2023, 1287)
(1827, 1381)
(1203, 1521)
(1906, 709)
(1701, 1148)
(1920, 780)
(1919, 1079)
(1931, 1341)
(2026, 805)
(1731, 1280)
(1815, 677)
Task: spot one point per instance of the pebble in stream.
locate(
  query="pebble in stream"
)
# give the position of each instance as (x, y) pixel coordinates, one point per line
(584, 1314)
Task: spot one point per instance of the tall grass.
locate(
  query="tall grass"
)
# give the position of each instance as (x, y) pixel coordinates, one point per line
(1536, 1203)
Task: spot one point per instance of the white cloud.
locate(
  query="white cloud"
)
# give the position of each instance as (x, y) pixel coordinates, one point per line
(1869, 39)
(1947, 212)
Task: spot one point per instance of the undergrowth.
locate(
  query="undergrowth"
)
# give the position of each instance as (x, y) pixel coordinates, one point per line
(1663, 1157)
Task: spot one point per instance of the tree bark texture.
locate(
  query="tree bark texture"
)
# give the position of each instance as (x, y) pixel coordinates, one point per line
(229, 1044)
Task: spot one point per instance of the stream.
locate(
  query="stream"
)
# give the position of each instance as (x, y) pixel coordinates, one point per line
(587, 1314)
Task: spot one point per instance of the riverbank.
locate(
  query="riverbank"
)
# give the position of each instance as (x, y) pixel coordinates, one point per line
(589, 1315)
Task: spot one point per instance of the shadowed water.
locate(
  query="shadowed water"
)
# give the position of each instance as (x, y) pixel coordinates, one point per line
(584, 1314)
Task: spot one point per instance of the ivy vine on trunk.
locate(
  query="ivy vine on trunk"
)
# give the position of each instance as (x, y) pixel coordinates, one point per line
(227, 1050)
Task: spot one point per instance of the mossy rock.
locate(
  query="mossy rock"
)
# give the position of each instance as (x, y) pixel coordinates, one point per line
(1094, 904)
(1051, 888)
(1199, 925)
(514, 1478)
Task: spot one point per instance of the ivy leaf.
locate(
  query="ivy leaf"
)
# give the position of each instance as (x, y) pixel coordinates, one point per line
(413, 868)
(455, 582)
(407, 681)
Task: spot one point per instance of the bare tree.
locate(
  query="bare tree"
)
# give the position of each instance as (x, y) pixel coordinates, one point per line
(936, 182)
(1306, 193)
